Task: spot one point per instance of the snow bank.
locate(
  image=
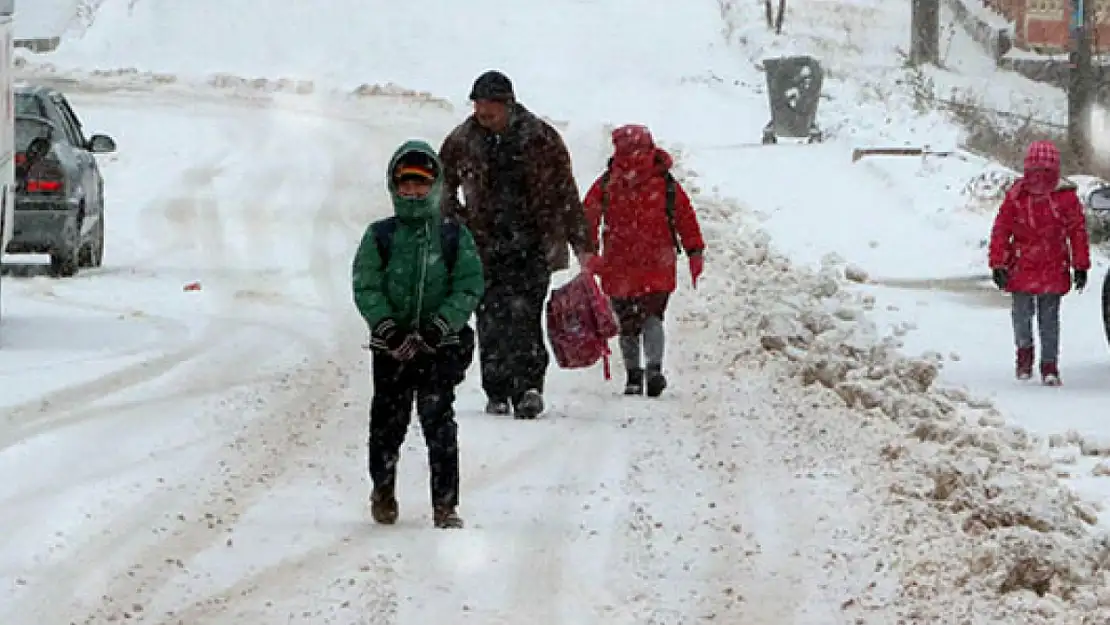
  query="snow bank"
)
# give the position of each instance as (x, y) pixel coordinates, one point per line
(983, 528)
(222, 84)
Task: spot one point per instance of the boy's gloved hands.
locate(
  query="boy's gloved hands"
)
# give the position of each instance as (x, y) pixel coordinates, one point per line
(388, 335)
(1080, 279)
(432, 333)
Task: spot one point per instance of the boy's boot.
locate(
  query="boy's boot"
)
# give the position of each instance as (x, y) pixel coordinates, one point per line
(383, 506)
(445, 517)
(655, 380)
(1024, 365)
(635, 383)
(1050, 375)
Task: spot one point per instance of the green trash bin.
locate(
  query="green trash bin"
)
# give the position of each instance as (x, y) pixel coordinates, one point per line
(794, 90)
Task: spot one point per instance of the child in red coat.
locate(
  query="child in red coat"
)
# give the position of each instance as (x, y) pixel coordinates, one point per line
(646, 220)
(1039, 236)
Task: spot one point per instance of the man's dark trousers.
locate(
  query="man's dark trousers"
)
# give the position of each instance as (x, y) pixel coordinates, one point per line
(431, 381)
(510, 331)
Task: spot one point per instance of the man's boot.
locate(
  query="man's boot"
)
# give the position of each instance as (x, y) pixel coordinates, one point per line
(656, 381)
(530, 405)
(383, 506)
(445, 517)
(1024, 363)
(498, 407)
(635, 383)
(1050, 375)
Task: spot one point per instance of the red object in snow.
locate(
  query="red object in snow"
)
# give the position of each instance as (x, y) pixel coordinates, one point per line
(1040, 233)
(192, 286)
(580, 323)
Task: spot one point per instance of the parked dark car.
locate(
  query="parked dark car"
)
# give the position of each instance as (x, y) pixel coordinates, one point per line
(59, 199)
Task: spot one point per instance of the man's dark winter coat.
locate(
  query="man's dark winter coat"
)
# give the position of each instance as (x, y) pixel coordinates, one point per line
(519, 190)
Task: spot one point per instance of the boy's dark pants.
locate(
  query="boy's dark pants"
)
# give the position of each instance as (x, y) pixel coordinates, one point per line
(430, 380)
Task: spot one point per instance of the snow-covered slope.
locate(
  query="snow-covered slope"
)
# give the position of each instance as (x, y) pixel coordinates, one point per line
(800, 470)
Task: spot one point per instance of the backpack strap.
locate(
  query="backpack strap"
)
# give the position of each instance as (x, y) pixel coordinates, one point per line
(449, 240)
(672, 199)
(383, 236)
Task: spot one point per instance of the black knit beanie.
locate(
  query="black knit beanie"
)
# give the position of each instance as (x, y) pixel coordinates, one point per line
(492, 85)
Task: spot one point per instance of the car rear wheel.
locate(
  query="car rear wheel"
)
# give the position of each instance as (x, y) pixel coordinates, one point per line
(65, 261)
(92, 253)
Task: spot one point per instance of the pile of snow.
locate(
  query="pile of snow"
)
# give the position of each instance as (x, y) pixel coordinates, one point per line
(131, 79)
(983, 525)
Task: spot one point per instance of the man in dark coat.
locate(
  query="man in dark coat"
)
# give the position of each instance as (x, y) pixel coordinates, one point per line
(521, 202)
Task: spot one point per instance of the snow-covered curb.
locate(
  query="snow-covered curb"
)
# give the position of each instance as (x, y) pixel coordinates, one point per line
(984, 528)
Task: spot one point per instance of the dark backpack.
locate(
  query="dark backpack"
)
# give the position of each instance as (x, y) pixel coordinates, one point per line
(448, 233)
(672, 193)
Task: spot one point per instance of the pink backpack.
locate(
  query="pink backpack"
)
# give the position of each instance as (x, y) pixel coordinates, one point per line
(580, 323)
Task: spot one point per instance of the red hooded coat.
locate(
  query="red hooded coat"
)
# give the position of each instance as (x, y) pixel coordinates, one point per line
(1040, 232)
(638, 254)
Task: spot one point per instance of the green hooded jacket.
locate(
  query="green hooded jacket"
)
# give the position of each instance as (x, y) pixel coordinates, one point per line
(416, 286)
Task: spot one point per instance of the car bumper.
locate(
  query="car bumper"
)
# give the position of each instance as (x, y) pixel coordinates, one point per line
(40, 227)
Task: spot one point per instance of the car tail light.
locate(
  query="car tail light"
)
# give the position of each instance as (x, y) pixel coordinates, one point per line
(45, 178)
(36, 185)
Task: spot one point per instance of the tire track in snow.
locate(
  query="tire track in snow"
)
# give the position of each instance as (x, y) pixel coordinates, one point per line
(286, 578)
(64, 405)
(223, 327)
(270, 466)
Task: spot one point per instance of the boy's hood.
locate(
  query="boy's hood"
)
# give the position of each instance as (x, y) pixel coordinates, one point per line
(408, 209)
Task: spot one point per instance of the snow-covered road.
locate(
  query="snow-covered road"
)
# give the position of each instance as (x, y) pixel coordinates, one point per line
(198, 456)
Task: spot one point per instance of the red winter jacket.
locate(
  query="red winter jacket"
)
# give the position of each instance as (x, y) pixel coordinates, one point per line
(638, 255)
(1038, 239)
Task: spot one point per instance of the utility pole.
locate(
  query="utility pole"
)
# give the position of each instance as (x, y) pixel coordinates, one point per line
(1081, 80)
(925, 32)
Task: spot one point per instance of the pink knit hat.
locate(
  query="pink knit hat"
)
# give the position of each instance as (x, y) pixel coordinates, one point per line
(1042, 155)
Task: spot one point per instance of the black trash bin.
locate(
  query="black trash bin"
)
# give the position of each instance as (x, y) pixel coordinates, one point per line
(793, 89)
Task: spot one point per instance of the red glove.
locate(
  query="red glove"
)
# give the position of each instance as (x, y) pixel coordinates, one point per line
(697, 265)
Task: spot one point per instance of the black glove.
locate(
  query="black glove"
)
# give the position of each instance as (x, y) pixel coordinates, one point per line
(1000, 277)
(386, 336)
(1080, 279)
(434, 332)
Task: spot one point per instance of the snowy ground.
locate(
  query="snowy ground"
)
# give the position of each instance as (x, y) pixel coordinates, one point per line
(197, 456)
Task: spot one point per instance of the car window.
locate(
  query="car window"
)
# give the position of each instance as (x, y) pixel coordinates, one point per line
(59, 120)
(26, 130)
(27, 104)
(74, 123)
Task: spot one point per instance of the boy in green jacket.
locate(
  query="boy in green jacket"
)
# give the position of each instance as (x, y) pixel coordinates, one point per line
(417, 279)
